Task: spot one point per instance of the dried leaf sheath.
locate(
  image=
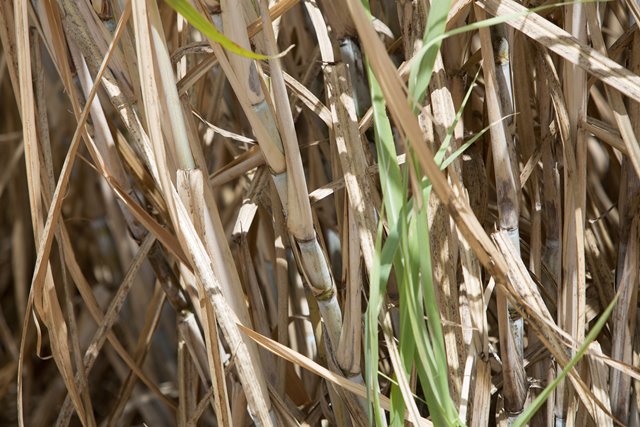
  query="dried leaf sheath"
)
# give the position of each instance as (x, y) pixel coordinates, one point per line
(209, 288)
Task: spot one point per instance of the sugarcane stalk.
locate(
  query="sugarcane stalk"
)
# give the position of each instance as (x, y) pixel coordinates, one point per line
(361, 216)
(282, 282)
(243, 77)
(76, 19)
(522, 75)
(624, 315)
(289, 180)
(551, 209)
(349, 349)
(282, 154)
(247, 74)
(508, 210)
(198, 217)
(572, 290)
(507, 189)
(352, 56)
(187, 380)
(313, 260)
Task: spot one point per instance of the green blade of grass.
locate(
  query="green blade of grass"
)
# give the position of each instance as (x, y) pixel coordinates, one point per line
(389, 169)
(526, 416)
(379, 276)
(184, 8)
(420, 75)
(412, 265)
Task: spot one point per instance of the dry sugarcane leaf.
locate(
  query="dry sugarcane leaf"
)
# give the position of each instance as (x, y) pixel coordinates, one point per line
(300, 360)
(604, 132)
(209, 285)
(44, 246)
(559, 41)
(109, 319)
(43, 294)
(152, 319)
(529, 302)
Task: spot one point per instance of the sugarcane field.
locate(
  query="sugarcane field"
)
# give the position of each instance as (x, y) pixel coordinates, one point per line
(353, 213)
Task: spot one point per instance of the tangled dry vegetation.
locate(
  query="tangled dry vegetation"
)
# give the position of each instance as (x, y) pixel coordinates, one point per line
(426, 214)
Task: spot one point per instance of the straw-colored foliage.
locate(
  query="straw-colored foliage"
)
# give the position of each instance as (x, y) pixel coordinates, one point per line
(319, 212)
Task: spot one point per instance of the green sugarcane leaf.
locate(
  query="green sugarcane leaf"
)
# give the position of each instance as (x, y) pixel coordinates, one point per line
(423, 60)
(383, 256)
(420, 75)
(184, 8)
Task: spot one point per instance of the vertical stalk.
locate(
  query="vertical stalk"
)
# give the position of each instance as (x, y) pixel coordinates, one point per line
(348, 351)
(508, 214)
(282, 282)
(552, 206)
(187, 382)
(571, 308)
(361, 221)
(507, 191)
(245, 70)
(522, 77)
(299, 222)
(627, 278)
(443, 236)
(198, 218)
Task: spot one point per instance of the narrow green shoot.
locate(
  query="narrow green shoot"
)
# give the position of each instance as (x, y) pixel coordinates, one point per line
(530, 411)
(420, 74)
(184, 8)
